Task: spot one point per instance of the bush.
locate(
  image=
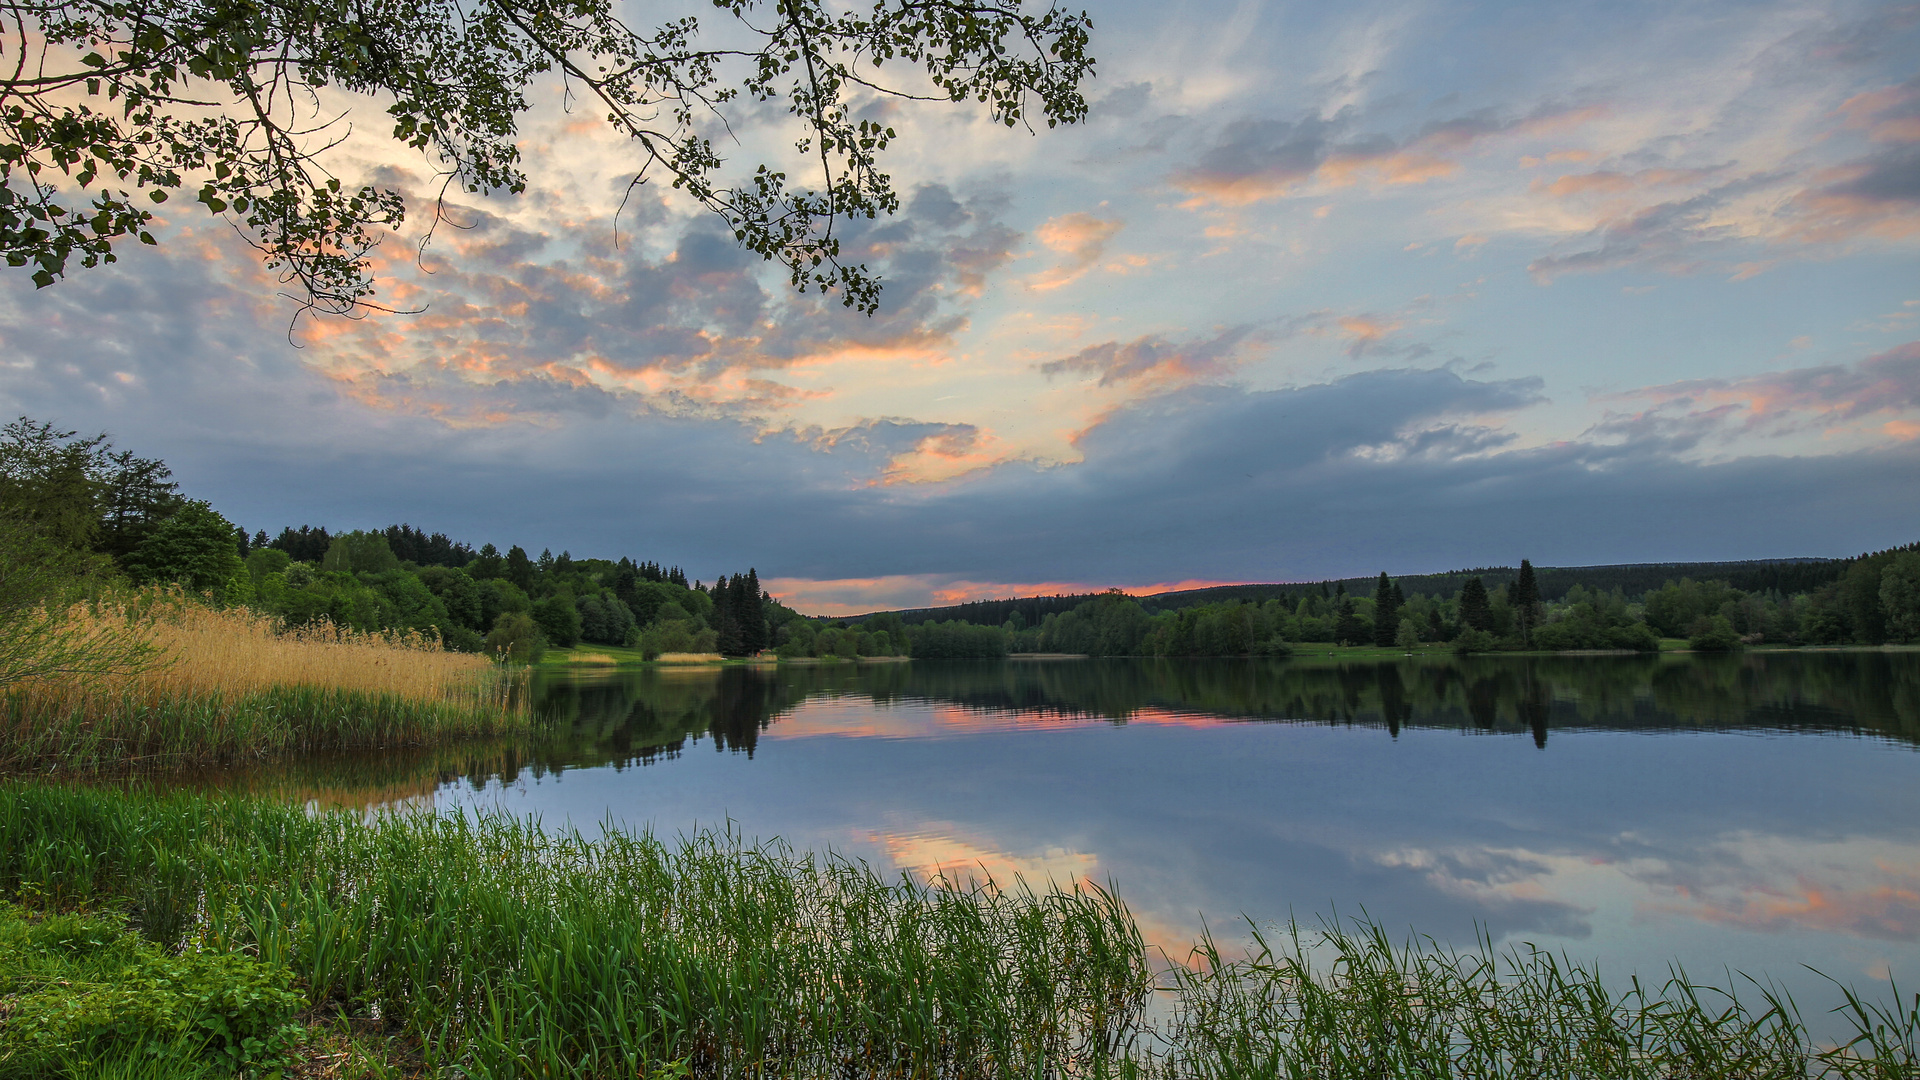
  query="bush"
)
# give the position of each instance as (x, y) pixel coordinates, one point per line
(1715, 634)
(1473, 641)
(84, 988)
(516, 638)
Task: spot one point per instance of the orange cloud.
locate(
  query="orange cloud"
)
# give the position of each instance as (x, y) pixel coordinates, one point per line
(1081, 239)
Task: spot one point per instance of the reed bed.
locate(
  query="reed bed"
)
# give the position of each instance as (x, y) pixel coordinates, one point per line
(502, 949)
(215, 685)
(1345, 1001)
(508, 950)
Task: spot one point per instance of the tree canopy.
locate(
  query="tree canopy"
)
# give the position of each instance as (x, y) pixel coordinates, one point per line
(109, 108)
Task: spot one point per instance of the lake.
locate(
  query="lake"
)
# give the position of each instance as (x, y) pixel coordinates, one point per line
(1756, 813)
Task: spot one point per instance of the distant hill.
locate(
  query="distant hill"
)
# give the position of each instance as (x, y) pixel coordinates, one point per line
(1752, 575)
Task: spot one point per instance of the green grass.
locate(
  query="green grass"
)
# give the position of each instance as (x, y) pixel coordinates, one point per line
(129, 730)
(1345, 1001)
(494, 948)
(84, 996)
(579, 656)
(507, 950)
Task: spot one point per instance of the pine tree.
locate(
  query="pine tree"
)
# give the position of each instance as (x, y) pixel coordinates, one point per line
(1526, 601)
(726, 617)
(520, 568)
(753, 614)
(1476, 611)
(1386, 612)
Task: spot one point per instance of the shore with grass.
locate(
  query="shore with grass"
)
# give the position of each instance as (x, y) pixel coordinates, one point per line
(266, 937)
(211, 685)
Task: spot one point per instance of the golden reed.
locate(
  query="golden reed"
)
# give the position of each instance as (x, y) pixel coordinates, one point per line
(215, 684)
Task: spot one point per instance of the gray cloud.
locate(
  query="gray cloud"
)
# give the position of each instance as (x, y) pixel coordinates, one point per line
(1153, 355)
(1409, 469)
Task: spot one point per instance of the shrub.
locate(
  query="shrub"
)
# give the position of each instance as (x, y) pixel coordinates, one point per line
(84, 988)
(1473, 641)
(1713, 634)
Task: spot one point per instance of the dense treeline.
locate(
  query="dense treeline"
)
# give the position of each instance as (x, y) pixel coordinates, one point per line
(1872, 599)
(79, 503)
(115, 516)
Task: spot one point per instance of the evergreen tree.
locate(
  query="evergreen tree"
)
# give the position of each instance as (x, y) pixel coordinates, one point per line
(309, 543)
(487, 565)
(1349, 629)
(1386, 612)
(726, 617)
(753, 614)
(1526, 601)
(1476, 611)
(520, 568)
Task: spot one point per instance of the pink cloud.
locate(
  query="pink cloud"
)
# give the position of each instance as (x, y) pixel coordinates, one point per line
(1080, 239)
(1261, 160)
(1155, 360)
(1830, 398)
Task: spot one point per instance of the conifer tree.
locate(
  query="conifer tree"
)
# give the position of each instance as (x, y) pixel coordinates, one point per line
(1348, 628)
(520, 568)
(1526, 601)
(1386, 612)
(1476, 611)
(753, 614)
(726, 617)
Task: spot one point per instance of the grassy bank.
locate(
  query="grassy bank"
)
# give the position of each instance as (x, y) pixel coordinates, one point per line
(490, 947)
(219, 685)
(510, 951)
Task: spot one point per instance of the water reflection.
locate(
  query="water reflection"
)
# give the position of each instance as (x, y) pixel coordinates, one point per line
(1619, 807)
(636, 716)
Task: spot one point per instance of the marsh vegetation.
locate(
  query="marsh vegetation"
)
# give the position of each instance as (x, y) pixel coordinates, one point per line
(493, 947)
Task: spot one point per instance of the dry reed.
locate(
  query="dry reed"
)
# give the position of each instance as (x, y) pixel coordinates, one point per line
(219, 684)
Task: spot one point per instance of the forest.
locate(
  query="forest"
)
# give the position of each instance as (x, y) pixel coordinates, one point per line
(97, 514)
(1872, 599)
(79, 506)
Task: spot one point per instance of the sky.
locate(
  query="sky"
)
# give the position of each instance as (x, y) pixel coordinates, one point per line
(1316, 290)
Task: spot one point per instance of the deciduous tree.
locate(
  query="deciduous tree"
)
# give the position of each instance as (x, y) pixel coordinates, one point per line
(108, 109)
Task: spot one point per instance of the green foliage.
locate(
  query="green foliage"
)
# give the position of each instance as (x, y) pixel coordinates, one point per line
(510, 950)
(1474, 641)
(558, 619)
(1900, 596)
(83, 990)
(505, 949)
(359, 552)
(516, 638)
(605, 620)
(194, 547)
(94, 114)
(1714, 633)
(183, 730)
(958, 640)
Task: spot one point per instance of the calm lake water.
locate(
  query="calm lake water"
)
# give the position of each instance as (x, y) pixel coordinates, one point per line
(1756, 813)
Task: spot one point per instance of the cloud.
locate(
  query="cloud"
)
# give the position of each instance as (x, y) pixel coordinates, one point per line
(1413, 468)
(1155, 359)
(687, 322)
(1255, 160)
(1080, 239)
(1883, 390)
(1876, 196)
(905, 451)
